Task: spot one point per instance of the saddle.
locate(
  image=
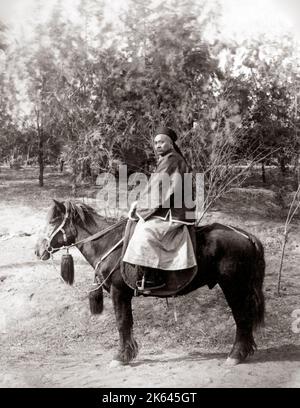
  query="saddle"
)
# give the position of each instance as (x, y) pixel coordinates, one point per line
(175, 280)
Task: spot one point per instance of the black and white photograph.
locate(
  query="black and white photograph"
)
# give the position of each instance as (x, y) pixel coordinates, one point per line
(149, 197)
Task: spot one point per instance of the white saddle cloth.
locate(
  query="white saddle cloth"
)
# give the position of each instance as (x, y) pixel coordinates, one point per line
(158, 243)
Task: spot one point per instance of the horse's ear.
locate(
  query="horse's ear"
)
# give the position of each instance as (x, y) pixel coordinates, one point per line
(60, 206)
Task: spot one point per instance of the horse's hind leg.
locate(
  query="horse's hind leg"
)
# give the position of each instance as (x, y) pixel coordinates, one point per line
(128, 348)
(239, 295)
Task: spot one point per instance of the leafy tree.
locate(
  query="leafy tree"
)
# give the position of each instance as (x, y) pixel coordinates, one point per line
(268, 77)
(95, 90)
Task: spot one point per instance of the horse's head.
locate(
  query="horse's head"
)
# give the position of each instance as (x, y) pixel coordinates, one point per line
(60, 230)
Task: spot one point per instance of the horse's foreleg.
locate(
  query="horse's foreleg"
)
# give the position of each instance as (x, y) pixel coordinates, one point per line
(238, 300)
(128, 348)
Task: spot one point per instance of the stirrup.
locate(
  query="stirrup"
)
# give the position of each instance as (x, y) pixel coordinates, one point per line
(145, 288)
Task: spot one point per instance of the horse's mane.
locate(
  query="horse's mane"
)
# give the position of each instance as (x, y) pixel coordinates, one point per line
(78, 213)
(81, 212)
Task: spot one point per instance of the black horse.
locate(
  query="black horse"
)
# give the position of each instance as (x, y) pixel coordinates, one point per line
(232, 258)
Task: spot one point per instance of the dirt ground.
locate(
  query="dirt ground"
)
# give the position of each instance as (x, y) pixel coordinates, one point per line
(49, 339)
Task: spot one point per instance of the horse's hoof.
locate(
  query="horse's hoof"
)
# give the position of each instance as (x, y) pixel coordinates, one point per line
(116, 363)
(231, 362)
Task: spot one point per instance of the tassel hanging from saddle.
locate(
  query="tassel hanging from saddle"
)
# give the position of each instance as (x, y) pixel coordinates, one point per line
(67, 268)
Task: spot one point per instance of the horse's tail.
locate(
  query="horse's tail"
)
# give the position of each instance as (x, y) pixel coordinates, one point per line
(96, 300)
(257, 299)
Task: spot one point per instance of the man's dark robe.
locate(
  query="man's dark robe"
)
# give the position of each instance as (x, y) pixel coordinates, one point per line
(170, 200)
(161, 238)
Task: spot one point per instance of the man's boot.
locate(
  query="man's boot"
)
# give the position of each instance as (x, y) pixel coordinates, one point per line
(151, 280)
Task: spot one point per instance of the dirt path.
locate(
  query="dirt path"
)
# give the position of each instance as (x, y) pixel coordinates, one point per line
(50, 340)
(168, 369)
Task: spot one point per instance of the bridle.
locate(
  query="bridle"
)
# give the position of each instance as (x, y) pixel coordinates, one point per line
(93, 237)
(61, 229)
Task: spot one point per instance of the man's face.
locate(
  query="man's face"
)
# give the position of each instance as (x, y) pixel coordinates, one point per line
(162, 144)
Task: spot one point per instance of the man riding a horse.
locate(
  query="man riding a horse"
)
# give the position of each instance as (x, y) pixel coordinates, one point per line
(161, 239)
(226, 256)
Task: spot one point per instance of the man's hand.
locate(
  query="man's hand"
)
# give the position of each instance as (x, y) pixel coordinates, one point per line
(132, 211)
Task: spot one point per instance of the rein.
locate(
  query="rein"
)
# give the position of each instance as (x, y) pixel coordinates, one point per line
(93, 237)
